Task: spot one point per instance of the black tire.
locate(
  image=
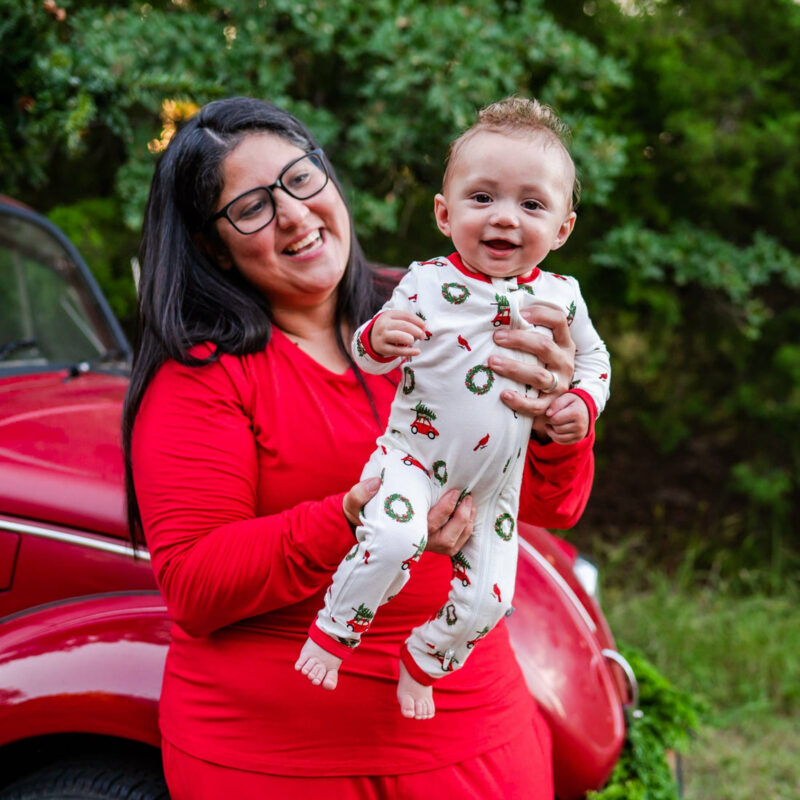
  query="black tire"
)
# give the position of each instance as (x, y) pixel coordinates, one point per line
(95, 778)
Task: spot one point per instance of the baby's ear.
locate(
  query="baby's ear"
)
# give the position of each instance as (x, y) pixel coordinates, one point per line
(440, 211)
(565, 230)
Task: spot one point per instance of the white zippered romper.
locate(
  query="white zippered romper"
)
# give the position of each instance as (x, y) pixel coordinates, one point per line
(449, 428)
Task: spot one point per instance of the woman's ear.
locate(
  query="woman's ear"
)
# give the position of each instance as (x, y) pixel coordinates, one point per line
(442, 214)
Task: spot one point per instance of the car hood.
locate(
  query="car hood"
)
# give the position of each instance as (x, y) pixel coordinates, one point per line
(60, 449)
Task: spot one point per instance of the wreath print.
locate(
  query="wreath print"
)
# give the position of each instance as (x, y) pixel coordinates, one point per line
(504, 527)
(440, 472)
(475, 388)
(388, 507)
(455, 293)
(409, 381)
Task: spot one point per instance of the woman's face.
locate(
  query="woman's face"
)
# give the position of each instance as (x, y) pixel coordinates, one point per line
(298, 259)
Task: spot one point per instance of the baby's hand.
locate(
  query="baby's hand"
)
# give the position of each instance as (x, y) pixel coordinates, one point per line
(567, 419)
(395, 332)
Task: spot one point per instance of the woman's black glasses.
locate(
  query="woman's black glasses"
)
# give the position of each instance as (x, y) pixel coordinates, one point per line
(255, 209)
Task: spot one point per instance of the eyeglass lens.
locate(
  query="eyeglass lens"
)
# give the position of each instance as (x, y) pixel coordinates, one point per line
(302, 180)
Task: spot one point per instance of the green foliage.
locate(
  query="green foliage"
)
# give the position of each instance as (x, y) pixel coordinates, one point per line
(685, 124)
(667, 717)
(740, 654)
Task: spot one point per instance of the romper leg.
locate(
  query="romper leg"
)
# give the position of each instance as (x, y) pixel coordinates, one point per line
(391, 538)
(480, 596)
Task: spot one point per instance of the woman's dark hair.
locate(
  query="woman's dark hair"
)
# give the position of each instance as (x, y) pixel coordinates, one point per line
(185, 298)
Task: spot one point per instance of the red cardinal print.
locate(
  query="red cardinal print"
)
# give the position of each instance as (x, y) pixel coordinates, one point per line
(496, 593)
(604, 376)
(413, 298)
(462, 342)
(366, 556)
(481, 444)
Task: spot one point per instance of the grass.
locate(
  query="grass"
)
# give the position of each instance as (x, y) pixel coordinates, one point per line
(741, 654)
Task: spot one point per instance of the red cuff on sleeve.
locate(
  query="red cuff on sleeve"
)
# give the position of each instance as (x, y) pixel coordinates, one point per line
(365, 341)
(413, 668)
(589, 400)
(328, 643)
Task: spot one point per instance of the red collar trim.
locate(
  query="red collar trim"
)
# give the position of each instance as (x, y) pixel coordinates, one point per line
(455, 260)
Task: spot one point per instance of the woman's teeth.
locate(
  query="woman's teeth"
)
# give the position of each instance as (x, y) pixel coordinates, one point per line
(307, 241)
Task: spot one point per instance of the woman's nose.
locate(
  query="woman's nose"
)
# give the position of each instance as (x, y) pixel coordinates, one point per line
(289, 211)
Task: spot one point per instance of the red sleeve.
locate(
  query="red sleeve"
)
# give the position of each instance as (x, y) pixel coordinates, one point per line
(557, 482)
(195, 471)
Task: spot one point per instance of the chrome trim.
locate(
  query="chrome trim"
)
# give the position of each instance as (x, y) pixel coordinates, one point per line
(560, 582)
(622, 662)
(73, 538)
(588, 576)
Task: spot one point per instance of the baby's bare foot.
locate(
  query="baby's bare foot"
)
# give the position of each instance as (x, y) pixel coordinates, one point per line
(318, 665)
(416, 700)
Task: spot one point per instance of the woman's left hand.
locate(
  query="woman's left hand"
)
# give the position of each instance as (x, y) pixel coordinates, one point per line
(556, 354)
(450, 523)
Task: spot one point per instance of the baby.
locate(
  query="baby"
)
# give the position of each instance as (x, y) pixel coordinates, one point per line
(506, 202)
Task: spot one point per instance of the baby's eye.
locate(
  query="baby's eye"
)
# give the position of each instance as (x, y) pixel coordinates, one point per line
(531, 205)
(481, 197)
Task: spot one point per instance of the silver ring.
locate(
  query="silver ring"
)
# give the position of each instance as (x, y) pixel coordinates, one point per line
(553, 386)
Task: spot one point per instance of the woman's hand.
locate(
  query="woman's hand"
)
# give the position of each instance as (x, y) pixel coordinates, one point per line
(556, 354)
(449, 526)
(358, 497)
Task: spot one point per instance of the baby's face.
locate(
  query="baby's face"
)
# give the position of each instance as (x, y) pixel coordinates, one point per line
(506, 203)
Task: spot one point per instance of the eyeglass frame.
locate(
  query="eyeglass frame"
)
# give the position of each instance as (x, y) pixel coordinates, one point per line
(223, 212)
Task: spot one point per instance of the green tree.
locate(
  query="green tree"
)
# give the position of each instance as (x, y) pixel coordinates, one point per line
(699, 269)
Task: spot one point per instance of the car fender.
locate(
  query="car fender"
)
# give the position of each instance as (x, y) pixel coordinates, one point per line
(559, 647)
(86, 665)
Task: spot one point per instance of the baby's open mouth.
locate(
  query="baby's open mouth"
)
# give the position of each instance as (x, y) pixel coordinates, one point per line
(500, 244)
(308, 242)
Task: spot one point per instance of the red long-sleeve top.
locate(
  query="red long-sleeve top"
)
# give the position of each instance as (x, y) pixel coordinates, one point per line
(240, 468)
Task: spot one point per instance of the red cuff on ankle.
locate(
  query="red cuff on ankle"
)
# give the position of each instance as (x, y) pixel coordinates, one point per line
(413, 668)
(328, 643)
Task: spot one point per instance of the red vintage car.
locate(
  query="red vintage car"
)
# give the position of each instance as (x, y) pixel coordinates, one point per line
(83, 630)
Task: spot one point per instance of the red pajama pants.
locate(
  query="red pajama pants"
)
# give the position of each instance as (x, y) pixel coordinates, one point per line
(519, 770)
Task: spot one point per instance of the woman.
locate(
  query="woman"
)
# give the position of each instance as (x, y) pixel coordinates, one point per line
(246, 427)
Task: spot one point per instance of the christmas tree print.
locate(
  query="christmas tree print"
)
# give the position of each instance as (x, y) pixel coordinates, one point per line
(571, 312)
(362, 620)
(460, 567)
(428, 334)
(417, 554)
(481, 634)
(424, 412)
(423, 421)
(503, 316)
